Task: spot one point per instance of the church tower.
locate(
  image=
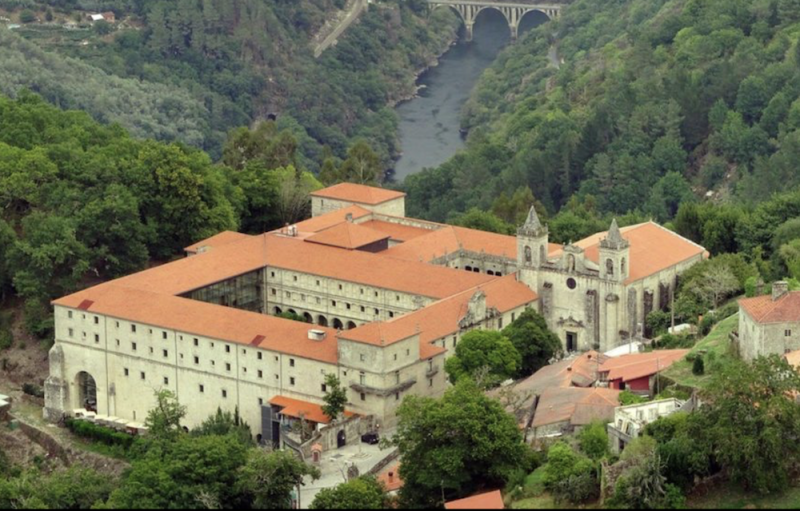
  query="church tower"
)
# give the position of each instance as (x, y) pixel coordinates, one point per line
(614, 255)
(532, 241)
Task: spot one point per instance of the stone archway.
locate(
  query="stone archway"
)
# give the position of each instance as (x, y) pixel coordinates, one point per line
(351, 325)
(530, 20)
(87, 391)
(277, 311)
(308, 317)
(322, 321)
(337, 324)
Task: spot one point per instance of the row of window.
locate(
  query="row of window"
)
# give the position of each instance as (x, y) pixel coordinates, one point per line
(334, 303)
(292, 380)
(295, 278)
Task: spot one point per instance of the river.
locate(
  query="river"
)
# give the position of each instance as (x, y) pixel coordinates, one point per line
(430, 123)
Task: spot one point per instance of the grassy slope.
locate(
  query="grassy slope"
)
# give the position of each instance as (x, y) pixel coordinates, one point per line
(732, 497)
(716, 342)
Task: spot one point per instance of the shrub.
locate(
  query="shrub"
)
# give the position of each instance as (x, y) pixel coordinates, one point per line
(27, 16)
(101, 434)
(626, 397)
(672, 342)
(6, 340)
(33, 390)
(577, 488)
(594, 440)
(658, 322)
(698, 368)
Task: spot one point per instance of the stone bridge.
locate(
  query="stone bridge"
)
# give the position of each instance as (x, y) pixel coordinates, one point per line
(513, 10)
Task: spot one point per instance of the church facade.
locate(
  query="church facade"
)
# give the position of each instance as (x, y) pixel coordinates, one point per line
(378, 299)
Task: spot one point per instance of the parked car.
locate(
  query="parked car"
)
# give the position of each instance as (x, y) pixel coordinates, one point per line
(371, 438)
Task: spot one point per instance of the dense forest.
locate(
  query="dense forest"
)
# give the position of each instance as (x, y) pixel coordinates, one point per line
(198, 69)
(657, 103)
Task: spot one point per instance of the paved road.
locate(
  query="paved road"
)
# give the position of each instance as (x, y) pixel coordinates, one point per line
(355, 12)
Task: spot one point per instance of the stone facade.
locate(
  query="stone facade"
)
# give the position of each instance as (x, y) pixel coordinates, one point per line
(772, 328)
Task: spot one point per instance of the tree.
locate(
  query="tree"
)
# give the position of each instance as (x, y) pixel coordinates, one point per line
(164, 421)
(460, 443)
(362, 165)
(487, 351)
(667, 195)
(359, 493)
(482, 221)
(185, 473)
(698, 366)
(268, 478)
(749, 419)
(593, 440)
(534, 342)
(715, 284)
(335, 397)
(294, 189)
(569, 475)
(226, 423)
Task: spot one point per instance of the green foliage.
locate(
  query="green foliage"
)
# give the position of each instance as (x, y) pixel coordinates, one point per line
(292, 317)
(749, 419)
(485, 355)
(359, 493)
(593, 440)
(178, 473)
(698, 367)
(76, 487)
(226, 423)
(27, 16)
(626, 397)
(658, 322)
(482, 221)
(97, 433)
(534, 342)
(33, 390)
(460, 443)
(164, 420)
(268, 478)
(570, 476)
(335, 397)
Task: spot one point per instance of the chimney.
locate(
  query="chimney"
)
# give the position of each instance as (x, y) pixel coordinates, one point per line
(779, 289)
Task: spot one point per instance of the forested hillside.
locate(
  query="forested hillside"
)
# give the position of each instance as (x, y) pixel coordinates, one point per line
(657, 103)
(199, 69)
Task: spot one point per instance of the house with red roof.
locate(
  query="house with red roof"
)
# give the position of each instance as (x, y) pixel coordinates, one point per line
(770, 324)
(637, 372)
(489, 500)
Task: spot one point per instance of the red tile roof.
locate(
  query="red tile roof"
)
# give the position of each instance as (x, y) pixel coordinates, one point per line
(574, 372)
(302, 409)
(490, 500)
(653, 248)
(640, 365)
(396, 231)
(208, 320)
(348, 235)
(575, 405)
(441, 318)
(763, 309)
(393, 482)
(360, 194)
(217, 240)
(322, 222)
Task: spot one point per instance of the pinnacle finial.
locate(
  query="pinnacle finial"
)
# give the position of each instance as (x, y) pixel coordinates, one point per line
(614, 237)
(533, 219)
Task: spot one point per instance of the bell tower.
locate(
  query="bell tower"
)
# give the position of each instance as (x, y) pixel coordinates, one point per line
(614, 255)
(532, 242)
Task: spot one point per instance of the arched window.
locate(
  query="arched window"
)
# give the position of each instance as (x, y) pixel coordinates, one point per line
(609, 267)
(528, 255)
(622, 267)
(571, 263)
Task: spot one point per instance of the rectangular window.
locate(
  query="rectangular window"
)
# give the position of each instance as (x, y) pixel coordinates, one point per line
(71, 333)
(69, 314)
(274, 292)
(127, 372)
(260, 356)
(133, 328)
(225, 394)
(142, 375)
(227, 349)
(196, 342)
(166, 353)
(260, 374)
(340, 287)
(363, 309)
(227, 367)
(166, 380)
(260, 402)
(324, 388)
(295, 278)
(163, 335)
(272, 274)
(133, 346)
(196, 360)
(348, 306)
(362, 379)
(317, 283)
(96, 338)
(333, 303)
(291, 362)
(363, 397)
(202, 389)
(391, 314)
(96, 320)
(291, 381)
(117, 342)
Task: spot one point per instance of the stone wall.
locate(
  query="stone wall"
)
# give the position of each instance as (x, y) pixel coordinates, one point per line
(328, 436)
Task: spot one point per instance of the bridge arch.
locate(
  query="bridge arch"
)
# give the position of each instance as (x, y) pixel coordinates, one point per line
(513, 10)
